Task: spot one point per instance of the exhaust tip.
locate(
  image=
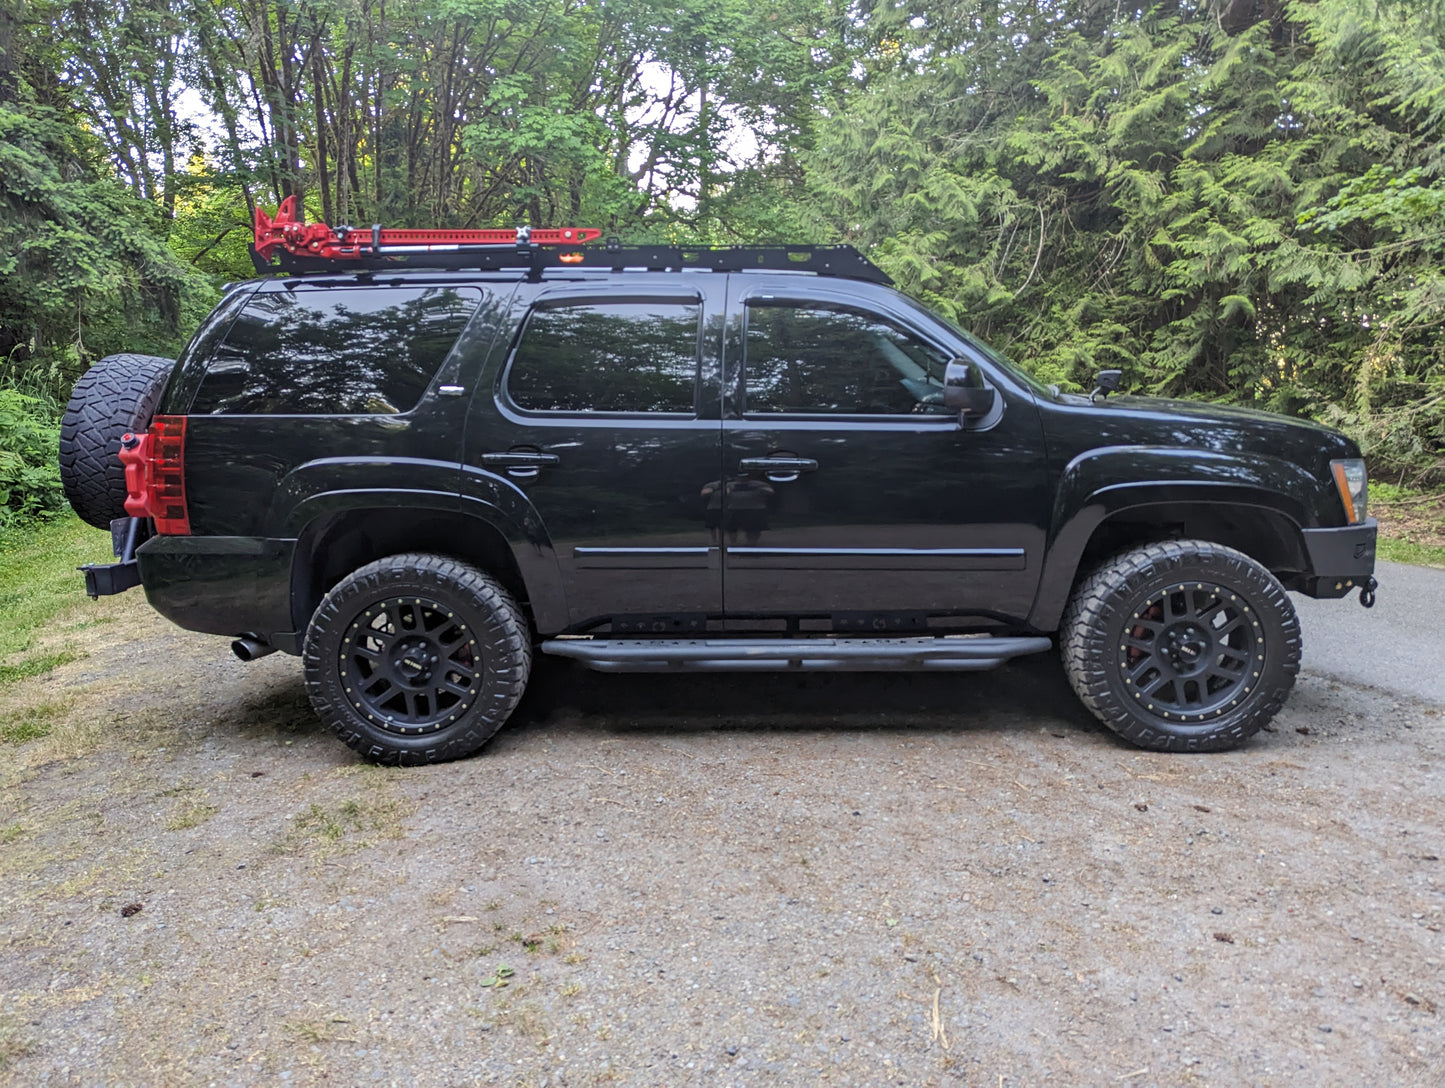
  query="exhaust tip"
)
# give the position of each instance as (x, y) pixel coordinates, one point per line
(249, 649)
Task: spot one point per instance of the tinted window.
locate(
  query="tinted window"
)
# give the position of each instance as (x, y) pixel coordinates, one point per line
(607, 357)
(339, 350)
(837, 361)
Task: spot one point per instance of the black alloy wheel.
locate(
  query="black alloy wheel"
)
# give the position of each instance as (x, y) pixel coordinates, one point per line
(410, 665)
(1193, 652)
(417, 658)
(1181, 646)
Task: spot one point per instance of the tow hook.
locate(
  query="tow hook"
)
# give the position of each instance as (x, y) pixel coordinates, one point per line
(1367, 593)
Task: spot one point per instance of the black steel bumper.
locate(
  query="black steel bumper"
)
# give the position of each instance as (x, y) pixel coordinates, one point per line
(1340, 559)
(222, 585)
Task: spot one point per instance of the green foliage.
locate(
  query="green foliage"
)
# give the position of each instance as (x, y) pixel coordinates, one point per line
(84, 265)
(212, 228)
(82, 268)
(29, 476)
(1239, 201)
(38, 582)
(1236, 199)
(479, 112)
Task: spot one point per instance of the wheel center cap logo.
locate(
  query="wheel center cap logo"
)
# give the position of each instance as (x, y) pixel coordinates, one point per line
(410, 663)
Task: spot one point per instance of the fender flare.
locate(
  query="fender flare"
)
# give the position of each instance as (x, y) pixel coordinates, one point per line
(1089, 494)
(440, 487)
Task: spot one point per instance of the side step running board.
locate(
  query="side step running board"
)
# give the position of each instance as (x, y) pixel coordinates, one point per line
(763, 654)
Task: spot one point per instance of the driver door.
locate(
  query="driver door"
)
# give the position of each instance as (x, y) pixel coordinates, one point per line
(849, 487)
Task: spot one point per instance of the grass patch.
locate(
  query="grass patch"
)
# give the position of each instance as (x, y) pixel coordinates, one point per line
(49, 731)
(332, 1030)
(31, 722)
(188, 813)
(37, 665)
(525, 1017)
(38, 580)
(1412, 524)
(1408, 551)
(348, 825)
(13, 1043)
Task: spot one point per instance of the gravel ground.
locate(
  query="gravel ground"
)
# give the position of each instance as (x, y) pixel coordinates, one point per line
(708, 881)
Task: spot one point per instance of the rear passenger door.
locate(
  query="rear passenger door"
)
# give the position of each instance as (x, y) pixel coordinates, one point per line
(605, 412)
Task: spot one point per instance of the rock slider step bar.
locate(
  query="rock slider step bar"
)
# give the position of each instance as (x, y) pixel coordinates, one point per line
(782, 654)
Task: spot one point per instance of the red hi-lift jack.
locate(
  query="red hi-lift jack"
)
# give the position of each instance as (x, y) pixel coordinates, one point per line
(300, 247)
(288, 232)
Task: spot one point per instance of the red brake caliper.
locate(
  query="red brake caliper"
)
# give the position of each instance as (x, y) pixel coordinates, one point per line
(1154, 612)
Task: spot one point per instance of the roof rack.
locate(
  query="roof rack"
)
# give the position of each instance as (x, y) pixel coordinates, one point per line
(286, 244)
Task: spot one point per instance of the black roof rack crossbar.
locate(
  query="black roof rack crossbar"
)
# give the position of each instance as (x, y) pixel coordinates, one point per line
(842, 261)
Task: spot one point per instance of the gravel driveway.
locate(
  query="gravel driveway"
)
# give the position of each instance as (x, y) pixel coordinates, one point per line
(718, 880)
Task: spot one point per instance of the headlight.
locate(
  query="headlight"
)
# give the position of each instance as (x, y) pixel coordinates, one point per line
(1354, 491)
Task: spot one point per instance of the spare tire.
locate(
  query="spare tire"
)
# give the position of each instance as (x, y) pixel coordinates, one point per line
(117, 395)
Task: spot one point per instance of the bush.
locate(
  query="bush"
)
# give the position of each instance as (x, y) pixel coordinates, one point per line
(29, 470)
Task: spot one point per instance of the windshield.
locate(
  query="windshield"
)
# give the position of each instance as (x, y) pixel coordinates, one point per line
(995, 357)
(1002, 361)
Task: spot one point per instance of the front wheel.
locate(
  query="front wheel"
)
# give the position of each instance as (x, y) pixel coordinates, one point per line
(416, 659)
(1184, 646)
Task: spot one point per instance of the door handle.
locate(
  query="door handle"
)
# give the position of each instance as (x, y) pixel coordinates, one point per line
(520, 464)
(780, 470)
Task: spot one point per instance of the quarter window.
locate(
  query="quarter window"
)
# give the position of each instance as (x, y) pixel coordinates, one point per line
(334, 351)
(621, 356)
(837, 361)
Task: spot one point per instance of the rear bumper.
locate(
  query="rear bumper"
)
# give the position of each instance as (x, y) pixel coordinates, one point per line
(1340, 559)
(221, 585)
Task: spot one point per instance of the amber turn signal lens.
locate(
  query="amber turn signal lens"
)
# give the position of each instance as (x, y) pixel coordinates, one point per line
(1351, 482)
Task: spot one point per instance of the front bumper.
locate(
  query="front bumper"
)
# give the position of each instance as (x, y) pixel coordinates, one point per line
(1340, 559)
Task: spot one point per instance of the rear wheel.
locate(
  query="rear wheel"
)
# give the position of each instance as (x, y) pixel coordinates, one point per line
(1182, 646)
(417, 659)
(117, 395)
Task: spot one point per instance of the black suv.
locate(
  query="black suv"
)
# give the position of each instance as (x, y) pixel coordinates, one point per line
(415, 476)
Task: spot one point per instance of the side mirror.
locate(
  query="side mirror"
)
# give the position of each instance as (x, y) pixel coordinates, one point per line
(1107, 382)
(965, 392)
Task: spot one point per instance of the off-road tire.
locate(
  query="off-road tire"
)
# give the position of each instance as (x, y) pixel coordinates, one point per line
(117, 395)
(444, 619)
(1129, 623)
